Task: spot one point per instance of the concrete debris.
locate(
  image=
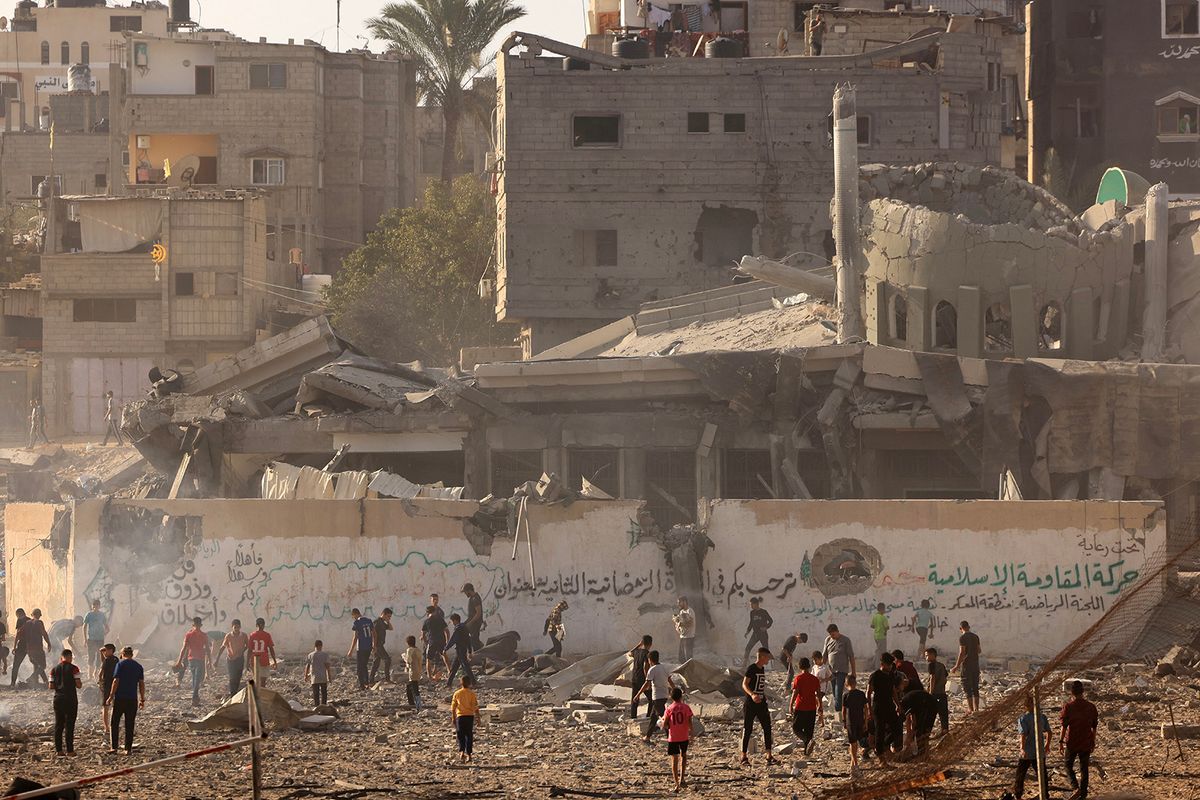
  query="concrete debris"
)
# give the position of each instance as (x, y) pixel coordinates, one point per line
(702, 676)
(233, 714)
(507, 712)
(592, 716)
(600, 668)
(1179, 660)
(315, 722)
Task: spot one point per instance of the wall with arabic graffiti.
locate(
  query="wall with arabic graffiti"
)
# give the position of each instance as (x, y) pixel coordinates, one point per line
(1027, 575)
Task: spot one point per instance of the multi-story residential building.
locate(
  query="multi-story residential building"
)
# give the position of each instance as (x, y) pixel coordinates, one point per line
(617, 186)
(1112, 85)
(42, 42)
(330, 138)
(110, 313)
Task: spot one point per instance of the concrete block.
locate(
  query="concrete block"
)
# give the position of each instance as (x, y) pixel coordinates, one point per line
(609, 694)
(316, 722)
(638, 727)
(594, 717)
(586, 705)
(505, 712)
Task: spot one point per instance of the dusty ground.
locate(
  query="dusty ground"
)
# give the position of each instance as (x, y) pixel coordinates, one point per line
(379, 745)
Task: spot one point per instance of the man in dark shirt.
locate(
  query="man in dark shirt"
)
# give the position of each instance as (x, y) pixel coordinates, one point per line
(360, 644)
(379, 632)
(938, 675)
(854, 717)
(907, 668)
(919, 707)
(754, 686)
(108, 667)
(128, 695)
(433, 634)
(460, 640)
(19, 650)
(32, 634)
(969, 651)
(474, 621)
(637, 678)
(1078, 739)
(788, 655)
(66, 683)
(760, 621)
(881, 694)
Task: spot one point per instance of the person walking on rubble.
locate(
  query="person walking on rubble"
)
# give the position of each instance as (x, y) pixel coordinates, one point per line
(754, 687)
(924, 623)
(112, 420)
(108, 669)
(756, 629)
(31, 635)
(787, 656)
(261, 646)
(1078, 738)
(685, 626)
(128, 695)
(806, 705)
(938, 676)
(879, 629)
(460, 640)
(1027, 734)
(677, 719)
(37, 423)
(969, 651)
(659, 684)
(464, 705)
(234, 646)
(412, 666)
(637, 678)
(66, 683)
(555, 629)
(19, 649)
(318, 672)
(379, 652)
(839, 654)
(95, 631)
(360, 646)
(433, 635)
(474, 621)
(196, 651)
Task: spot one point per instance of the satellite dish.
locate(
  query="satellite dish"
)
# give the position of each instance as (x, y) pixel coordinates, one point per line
(183, 171)
(3, 23)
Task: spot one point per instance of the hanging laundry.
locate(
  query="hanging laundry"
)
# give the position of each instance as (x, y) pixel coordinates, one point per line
(658, 16)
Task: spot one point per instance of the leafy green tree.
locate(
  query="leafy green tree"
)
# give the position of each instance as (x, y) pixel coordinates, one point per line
(447, 38)
(412, 291)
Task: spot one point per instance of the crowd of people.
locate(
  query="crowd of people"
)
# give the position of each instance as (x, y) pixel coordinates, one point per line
(893, 716)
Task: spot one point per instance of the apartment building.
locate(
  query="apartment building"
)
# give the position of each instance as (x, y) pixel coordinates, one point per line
(1111, 88)
(41, 43)
(618, 186)
(328, 138)
(110, 312)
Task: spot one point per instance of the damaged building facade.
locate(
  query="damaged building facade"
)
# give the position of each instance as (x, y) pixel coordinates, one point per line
(626, 158)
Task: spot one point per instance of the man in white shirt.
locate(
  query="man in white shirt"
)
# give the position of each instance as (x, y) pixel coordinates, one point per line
(659, 682)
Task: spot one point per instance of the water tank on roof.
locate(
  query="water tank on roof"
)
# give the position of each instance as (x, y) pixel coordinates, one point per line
(181, 11)
(79, 78)
(630, 47)
(572, 64)
(723, 47)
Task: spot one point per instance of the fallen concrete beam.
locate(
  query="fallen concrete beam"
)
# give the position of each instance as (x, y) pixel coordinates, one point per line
(789, 277)
(309, 344)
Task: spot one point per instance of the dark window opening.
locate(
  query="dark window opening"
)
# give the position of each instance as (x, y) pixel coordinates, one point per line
(899, 329)
(862, 128)
(596, 131)
(670, 489)
(997, 328)
(85, 53)
(746, 474)
(66, 53)
(268, 76)
(926, 475)
(1086, 24)
(1181, 17)
(511, 468)
(105, 310)
(125, 23)
(45, 52)
(185, 284)
(606, 248)
(725, 235)
(945, 325)
(1050, 327)
(204, 80)
(101, 180)
(1178, 119)
(697, 122)
(600, 465)
(206, 173)
(735, 123)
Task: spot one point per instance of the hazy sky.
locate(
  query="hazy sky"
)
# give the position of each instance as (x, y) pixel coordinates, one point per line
(280, 20)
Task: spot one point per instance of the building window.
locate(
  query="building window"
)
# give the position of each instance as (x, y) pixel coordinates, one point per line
(511, 468)
(1178, 117)
(898, 329)
(596, 130)
(185, 284)
(993, 76)
(1087, 23)
(599, 248)
(1050, 327)
(267, 172)
(128, 22)
(268, 76)
(945, 325)
(735, 123)
(85, 53)
(697, 122)
(105, 310)
(101, 180)
(746, 474)
(600, 465)
(1181, 17)
(863, 129)
(227, 284)
(66, 52)
(734, 16)
(204, 80)
(670, 489)
(45, 52)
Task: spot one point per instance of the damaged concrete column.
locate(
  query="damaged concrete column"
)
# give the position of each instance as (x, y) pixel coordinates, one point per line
(1154, 321)
(845, 214)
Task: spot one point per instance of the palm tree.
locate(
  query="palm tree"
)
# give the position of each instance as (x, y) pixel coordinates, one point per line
(447, 38)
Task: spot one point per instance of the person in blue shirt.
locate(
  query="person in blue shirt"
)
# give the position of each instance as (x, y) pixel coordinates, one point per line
(1029, 738)
(95, 627)
(460, 640)
(361, 642)
(128, 695)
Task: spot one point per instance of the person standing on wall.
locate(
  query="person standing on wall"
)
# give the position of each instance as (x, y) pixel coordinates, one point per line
(754, 686)
(969, 651)
(234, 646)
(32, 634)
(360, 645)
(685, 626)
(757, 627)
(1079, 722)
(924, 622)
(95, 631)
(262, 646)
(128, 695)
(66, 683)
(108, 669)
(839, 654)
(555, 629)
(474, 621)
(637, 678)
(20, 651)
(37, 423)
(112, 420)
(195, 651)
(379, 632)
(879, 628)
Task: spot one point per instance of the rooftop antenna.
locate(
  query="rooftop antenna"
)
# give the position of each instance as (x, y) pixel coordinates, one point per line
(338, 44)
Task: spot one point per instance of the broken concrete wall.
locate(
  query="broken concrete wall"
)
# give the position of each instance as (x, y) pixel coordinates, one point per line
(1026, 574)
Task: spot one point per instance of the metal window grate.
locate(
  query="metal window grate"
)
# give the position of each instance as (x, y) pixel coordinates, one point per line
(600, 465)
(511, 468)
(674, 473)
(740, 473)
